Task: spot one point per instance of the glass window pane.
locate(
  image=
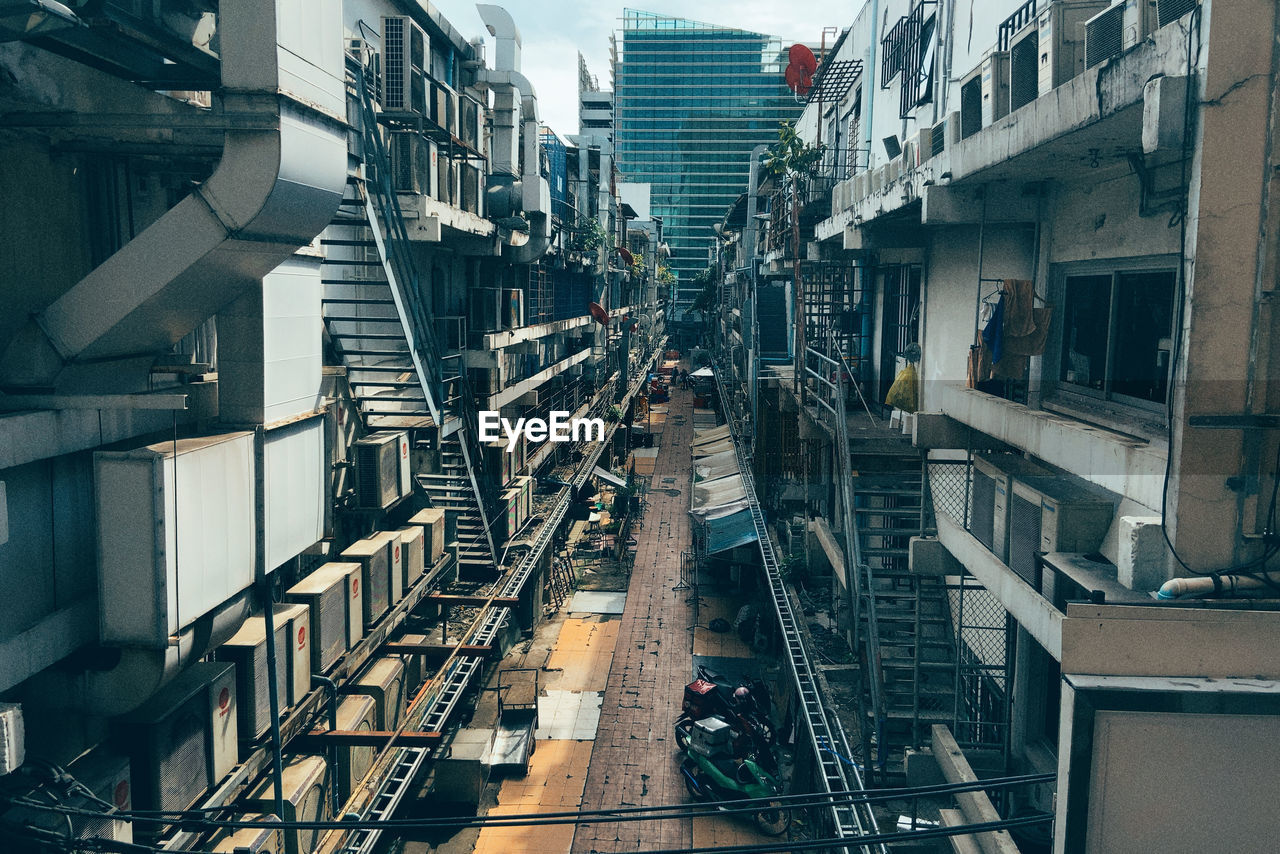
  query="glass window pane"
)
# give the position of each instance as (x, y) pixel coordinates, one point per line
(1086, 315)
(1144, 333)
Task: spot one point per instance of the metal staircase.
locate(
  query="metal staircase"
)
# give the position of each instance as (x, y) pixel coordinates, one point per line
(380, 327)
(909, 675)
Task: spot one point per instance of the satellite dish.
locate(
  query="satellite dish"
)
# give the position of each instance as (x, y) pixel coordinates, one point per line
(802, 65)
(598, 312)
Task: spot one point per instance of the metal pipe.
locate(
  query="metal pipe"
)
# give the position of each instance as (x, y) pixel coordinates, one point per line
(331, 700)
(273, 694)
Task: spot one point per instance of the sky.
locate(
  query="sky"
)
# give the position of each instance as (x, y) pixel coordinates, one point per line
(553, 33)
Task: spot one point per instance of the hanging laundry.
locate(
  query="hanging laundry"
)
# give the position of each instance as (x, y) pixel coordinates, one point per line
(1033, 343)
(1018, 316)
(993, 332)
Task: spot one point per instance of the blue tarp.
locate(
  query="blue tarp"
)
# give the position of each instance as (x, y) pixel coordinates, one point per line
(730, 531)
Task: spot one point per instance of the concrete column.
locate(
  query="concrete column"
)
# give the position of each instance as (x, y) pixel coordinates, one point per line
(1213, 494)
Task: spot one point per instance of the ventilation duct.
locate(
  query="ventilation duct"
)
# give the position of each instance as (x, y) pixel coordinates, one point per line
(272, 192)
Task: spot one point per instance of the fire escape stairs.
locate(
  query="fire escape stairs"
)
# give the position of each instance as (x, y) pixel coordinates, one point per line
(905, 622)
(379, 325)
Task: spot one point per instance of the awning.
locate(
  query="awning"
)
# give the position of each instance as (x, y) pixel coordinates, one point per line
(713, 434)
(609, 477)
(702, 372)
(716, 493)
(731, 531)
(701, 451)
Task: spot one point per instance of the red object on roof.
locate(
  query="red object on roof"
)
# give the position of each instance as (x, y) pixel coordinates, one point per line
(800, 56)
(598, 312)
(801, 68)
(626, 255)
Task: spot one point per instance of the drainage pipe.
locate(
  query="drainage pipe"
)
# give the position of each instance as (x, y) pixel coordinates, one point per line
(1176, 588)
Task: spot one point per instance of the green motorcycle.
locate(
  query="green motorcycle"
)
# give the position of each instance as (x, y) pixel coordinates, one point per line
(712, 774)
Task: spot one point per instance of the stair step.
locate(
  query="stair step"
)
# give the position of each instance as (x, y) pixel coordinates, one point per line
(370, 336)
(348, 318)
(372, 353)
(378, 283)
(386, 383)
(394, 369)
(328, 241)
(888, 511)
(354, 300)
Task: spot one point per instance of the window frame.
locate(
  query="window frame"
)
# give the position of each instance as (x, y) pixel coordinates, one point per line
(1104, 404)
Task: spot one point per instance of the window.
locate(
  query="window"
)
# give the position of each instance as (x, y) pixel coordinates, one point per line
(1117, 335)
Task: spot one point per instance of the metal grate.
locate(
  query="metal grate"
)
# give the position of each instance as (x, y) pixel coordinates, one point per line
(1168, 11)
(1024, 538)
(949, 485)
(1024, 70)
(393, 60)
(1022, 16)
(1104, 36)
(983, 660)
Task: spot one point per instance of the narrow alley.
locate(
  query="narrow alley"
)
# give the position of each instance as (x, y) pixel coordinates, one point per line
(613, 665)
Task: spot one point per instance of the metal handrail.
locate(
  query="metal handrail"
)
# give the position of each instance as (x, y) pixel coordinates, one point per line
(383, 206)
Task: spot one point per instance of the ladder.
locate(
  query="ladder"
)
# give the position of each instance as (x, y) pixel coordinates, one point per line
(909, 678)
(827, 738)
(562, 581)
(379, 326)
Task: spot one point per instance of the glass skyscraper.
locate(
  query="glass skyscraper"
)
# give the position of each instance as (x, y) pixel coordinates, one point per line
(691, 101)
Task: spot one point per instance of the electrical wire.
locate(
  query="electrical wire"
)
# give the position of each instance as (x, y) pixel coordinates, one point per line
(602, 816)
(102, 845)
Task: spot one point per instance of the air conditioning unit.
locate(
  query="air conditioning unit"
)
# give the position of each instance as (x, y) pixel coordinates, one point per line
(451, 333)
(107, 777)
(1062, 36)
(415, 666)
(374, 557)
(247, 650)
(384, 682)
(175, 524)
(297, 617)
(1104, 35)
(306, 799)
(332, 594)
(396, 551)
(356, 713)
(995, 87)
(971, 103)
(412, 157)
(470, 122)
(486, 309)
(250, 840)
(989, 507)
(1168, 11)
(414, 541)
(1055, 513)
(382, 469)
(513, 316)
(431, 520)
(1024, 66)
(182, 742)
(448, 180)
(405, 48)
(444, 108)
(471, 188)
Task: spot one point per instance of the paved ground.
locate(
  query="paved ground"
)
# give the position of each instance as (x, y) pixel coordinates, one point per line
(612, 684)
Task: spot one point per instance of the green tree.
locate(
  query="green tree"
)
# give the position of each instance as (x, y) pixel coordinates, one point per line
(791, 153)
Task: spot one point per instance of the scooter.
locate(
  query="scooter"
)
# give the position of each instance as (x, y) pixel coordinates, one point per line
(725, 778)
(711, 695)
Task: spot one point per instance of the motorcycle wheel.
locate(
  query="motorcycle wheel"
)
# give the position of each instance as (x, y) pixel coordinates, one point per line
(684, 731)
(773, 821)
(694, 791)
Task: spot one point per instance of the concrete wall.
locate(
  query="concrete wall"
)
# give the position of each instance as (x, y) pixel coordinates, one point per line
(951, 292)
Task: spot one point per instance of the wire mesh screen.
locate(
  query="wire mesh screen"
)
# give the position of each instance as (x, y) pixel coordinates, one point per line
(982, 674)
(949, 486)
